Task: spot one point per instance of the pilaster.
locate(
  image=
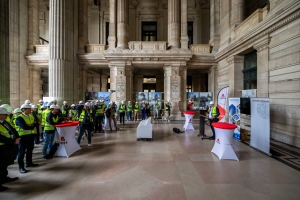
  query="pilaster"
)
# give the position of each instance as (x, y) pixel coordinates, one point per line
(129, 82)
(123, 24)
(112, 24)
(174, 23)
(235, 75)
(263, 67)
(236, 14)
(184, 37)
(33, 25)
(215, 25)
(82, 82)
(183, 75)
(82, 25)
(118, 81)
(212, 81)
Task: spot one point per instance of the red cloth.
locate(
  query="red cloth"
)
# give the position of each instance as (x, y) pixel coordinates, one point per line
(189, 112)
(223, 125)
(65, 124)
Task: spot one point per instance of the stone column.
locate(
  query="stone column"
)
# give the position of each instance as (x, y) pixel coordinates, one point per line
(215, 25)
(236, 15)
(235, 75)
(183, 75)
(212, 81)
(225, 38)
(82, 25)
(118, 82)
(112, 24)
(263, 67)
(36, 84)
(61, 56)
(123, 24)
(4, 52)
(104, 83)
(129, 83)
(174, 23)
(184, 36)
(82, 82)
(33, 25)
(172, 89)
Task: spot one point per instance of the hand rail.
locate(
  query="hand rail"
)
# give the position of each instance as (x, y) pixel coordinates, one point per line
(44, 41)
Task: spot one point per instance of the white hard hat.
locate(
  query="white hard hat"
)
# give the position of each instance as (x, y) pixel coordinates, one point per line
(54, 107)
(25, 105)
(128, 101)
(7, 107)
(55, 100)
(97, 101)
(41, 101)
(3, 111)
(122, 102)
(34, 106)
(87, 104)
(17, 110)
(73, 105)
(81, 102)
(65, 102)
(27, 102)
(211, 102)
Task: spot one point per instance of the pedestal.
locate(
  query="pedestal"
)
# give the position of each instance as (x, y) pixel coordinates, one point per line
(188, 120)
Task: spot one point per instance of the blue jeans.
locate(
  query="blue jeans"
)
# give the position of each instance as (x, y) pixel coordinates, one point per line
(48, 141)
(82, 130)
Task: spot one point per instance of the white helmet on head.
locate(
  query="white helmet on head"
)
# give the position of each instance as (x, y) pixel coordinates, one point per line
(81, 102)
(17, 110)
(7, 107)
(25, 106)
(211, 103)
(122, 102)
(65, 102)
(27, 102)
(97, 101)
(87, 104)
(54, 100)
(3, 111)
(54, 107)
(34, 107)
(41, 101)
(128, 101)
(73, 105)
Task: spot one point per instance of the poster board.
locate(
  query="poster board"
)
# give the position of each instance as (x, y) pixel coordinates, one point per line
(200, 100)
(260, 124)
(234, 116)
(150, 97)
(92, 96)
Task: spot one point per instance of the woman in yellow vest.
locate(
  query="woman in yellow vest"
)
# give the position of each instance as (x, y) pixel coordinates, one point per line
(213, 116)
(25, 127)
(9, 139)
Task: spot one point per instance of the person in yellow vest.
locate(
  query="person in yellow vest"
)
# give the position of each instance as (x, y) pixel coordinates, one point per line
(122, 111)
(65, 109)
(156, 109)
(49, 129)
(86, 123)
(129, 111)
(73, 112)
(25, 127)
(9, 118)
(136, 110)
(213, 116)
(44, 116)
(9, 139)
(41, 103)
(99, 112)
(17, 112)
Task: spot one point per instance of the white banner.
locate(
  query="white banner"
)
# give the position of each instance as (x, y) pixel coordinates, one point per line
(260, 124)
(234, 115)
(222, 103)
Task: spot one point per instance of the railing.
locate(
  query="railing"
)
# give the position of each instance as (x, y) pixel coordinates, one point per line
(43, 41)
(95, 48)
(153, 45)
(254, 19)
(200, 48)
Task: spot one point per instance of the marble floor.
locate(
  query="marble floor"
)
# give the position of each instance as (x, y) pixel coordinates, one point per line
(173, 166)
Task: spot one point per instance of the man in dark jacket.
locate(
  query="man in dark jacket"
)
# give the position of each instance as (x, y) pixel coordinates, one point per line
(9, 138)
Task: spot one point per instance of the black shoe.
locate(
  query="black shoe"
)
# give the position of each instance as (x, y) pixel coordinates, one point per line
(3, 188)
(23, 170)
(212, 138)
(8, 179)
(32, 165)
(47, 157)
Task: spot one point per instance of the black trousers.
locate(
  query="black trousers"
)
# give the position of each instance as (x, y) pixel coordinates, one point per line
(25, 146)
(37, 135)
(98, 124)
(122, 117)
(212, 128)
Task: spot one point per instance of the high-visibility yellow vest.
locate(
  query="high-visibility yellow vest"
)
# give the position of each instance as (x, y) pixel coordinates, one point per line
(9, 119)
(50, 127)
(214, 112)
(122, 108)
(129, 107)
(4, 132)
(136, 108)
(82, 115)
(73, 114)
(44, 116)
(100, 109)
(29, 121)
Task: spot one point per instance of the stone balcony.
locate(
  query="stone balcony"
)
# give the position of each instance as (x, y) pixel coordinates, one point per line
(41, 49)
(153, 45)
(200, 48)
(95, 48)
(254, 19)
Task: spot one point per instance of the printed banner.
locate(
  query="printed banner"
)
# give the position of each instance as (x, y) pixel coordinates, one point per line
(222, 103)
(198, 100)
(234, 116)
(205, 98)
(148, 97)
(92, 96)
(249, 93)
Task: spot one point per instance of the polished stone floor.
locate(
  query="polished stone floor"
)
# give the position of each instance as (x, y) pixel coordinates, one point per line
(173, 166)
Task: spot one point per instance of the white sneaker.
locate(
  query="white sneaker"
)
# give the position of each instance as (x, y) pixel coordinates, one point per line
(90, 145)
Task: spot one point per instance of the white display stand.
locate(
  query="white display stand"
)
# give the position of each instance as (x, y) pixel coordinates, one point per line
(188, 120)
(106, 124)
(68, 143)
(144, 129)
(223, 141)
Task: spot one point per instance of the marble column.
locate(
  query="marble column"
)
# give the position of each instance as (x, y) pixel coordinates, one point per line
(118, 82)
(104, 83)
(183, 75)
(215, 25)
(33, 25)
(235, 75)
(112, 24)
(82, 25)
(82, 82)
(123, 24)
(4, 52)
(172, 89)
(184, 36)
(212, 81)
(61, 56)
(36, 84)
(263, 52)
(174, 23)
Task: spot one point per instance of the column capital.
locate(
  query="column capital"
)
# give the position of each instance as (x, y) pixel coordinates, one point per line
(261, 45)
(235, 59)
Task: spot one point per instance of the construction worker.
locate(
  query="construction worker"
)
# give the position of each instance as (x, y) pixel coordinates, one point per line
(156, 110)
(9, 139)
(65, 109)
(213, 116)
(122, 111)
(99, 113)
(168, 110)
(9, 118)
(110, 113)
(86, 123)
(72, 112)
(49, 129)
(37, 119)
(129, 111)
(17, 112)
(136, 111)
(25, 127)
(41, 103)
(44, 116)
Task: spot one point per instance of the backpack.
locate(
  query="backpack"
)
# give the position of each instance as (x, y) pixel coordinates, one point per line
(177, 130)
